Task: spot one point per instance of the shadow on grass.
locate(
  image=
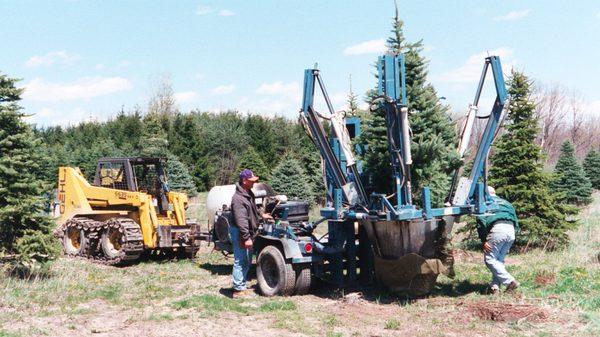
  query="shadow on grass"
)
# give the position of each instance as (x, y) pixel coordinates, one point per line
(216, 269)
(458, 289)
(380, 294)
(166, 255)
(225, 269)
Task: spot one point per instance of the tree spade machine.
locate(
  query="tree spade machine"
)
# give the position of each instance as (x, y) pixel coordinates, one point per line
(370, 237)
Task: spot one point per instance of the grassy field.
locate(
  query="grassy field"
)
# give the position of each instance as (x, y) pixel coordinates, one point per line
(560, 296)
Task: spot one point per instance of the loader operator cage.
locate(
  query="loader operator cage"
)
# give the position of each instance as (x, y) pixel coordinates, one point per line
(141, 174)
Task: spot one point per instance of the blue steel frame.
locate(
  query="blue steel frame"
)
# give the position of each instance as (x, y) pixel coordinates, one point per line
(479, 195)
(392, 88)
(337, 172)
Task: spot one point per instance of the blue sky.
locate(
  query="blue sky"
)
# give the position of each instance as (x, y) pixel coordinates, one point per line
(87, 59)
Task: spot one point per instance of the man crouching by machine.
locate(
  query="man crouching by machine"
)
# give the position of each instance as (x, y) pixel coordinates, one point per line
(246, 218)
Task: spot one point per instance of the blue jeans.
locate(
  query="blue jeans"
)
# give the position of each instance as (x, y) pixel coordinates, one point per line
(500, 238)
(242, 259)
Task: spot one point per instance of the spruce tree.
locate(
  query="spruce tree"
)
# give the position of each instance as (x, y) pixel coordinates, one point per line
(155, 144)
(250, 159)
(591, 166)
(433, 134)
(570, 181)
(352, 101)
(179, 177)
(261, 135)
(289, 178)
(517, 174)
(154, 137)
(24, 229)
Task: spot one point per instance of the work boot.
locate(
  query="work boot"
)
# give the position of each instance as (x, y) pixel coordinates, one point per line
(512, 286)
(246, 293)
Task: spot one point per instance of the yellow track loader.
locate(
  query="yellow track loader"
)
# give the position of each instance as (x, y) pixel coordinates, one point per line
(128, 210)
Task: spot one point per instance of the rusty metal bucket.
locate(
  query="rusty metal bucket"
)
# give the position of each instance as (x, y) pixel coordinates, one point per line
(409, 255)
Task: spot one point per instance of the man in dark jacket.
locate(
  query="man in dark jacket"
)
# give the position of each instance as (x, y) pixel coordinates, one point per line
(245, 225)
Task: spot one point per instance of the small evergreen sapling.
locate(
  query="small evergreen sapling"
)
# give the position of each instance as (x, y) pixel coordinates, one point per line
(591, 166)
(570, 182)
(289, 178)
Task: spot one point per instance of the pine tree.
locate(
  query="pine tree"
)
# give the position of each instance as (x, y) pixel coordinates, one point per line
(24, 229)
(289, 178)
(517, 173)
(433, 133)
(250, 159)
(179, 177)
(591, 166)
(570, 181)
(352, 101)
(155, 144)
(154, 137)
(261, 136)
(309, 157)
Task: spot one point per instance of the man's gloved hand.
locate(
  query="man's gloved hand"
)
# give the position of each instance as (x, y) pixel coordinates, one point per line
(487, 247)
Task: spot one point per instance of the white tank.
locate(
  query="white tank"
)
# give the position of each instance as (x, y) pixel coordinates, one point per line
(216, 198)
(221, 195)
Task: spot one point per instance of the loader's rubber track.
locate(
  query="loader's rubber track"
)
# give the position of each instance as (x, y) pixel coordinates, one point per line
(132, 245)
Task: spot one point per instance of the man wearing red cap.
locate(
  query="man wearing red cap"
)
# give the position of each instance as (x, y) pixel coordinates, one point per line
(245, 225)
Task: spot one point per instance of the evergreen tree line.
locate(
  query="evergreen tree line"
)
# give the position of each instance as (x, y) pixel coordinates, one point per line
(203, 149)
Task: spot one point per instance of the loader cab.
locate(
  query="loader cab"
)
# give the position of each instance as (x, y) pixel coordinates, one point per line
(135, 174)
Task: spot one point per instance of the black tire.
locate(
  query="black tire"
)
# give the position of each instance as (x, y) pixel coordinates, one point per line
(75, 243)
(303, 279)
(121, 242)
(274, 275)
(112, 242)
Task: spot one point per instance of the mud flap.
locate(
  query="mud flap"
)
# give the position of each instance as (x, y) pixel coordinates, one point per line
(412, 273)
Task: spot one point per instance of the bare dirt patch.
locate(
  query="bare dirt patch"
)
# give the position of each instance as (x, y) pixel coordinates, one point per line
(506, 312)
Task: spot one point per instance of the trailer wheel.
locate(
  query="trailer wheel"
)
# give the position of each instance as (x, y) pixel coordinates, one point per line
(275, 276)
(303, 279)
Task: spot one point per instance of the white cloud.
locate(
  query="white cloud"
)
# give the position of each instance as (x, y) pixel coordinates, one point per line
(470, 71)
(49, 59)
(598, 15)
(514, 15)
(185, 96)
(203, 10)
(48, 116)
(226, 12)
(84, 88)
(223, 89)
(289, 90)
(367, 47)
(276, 98)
